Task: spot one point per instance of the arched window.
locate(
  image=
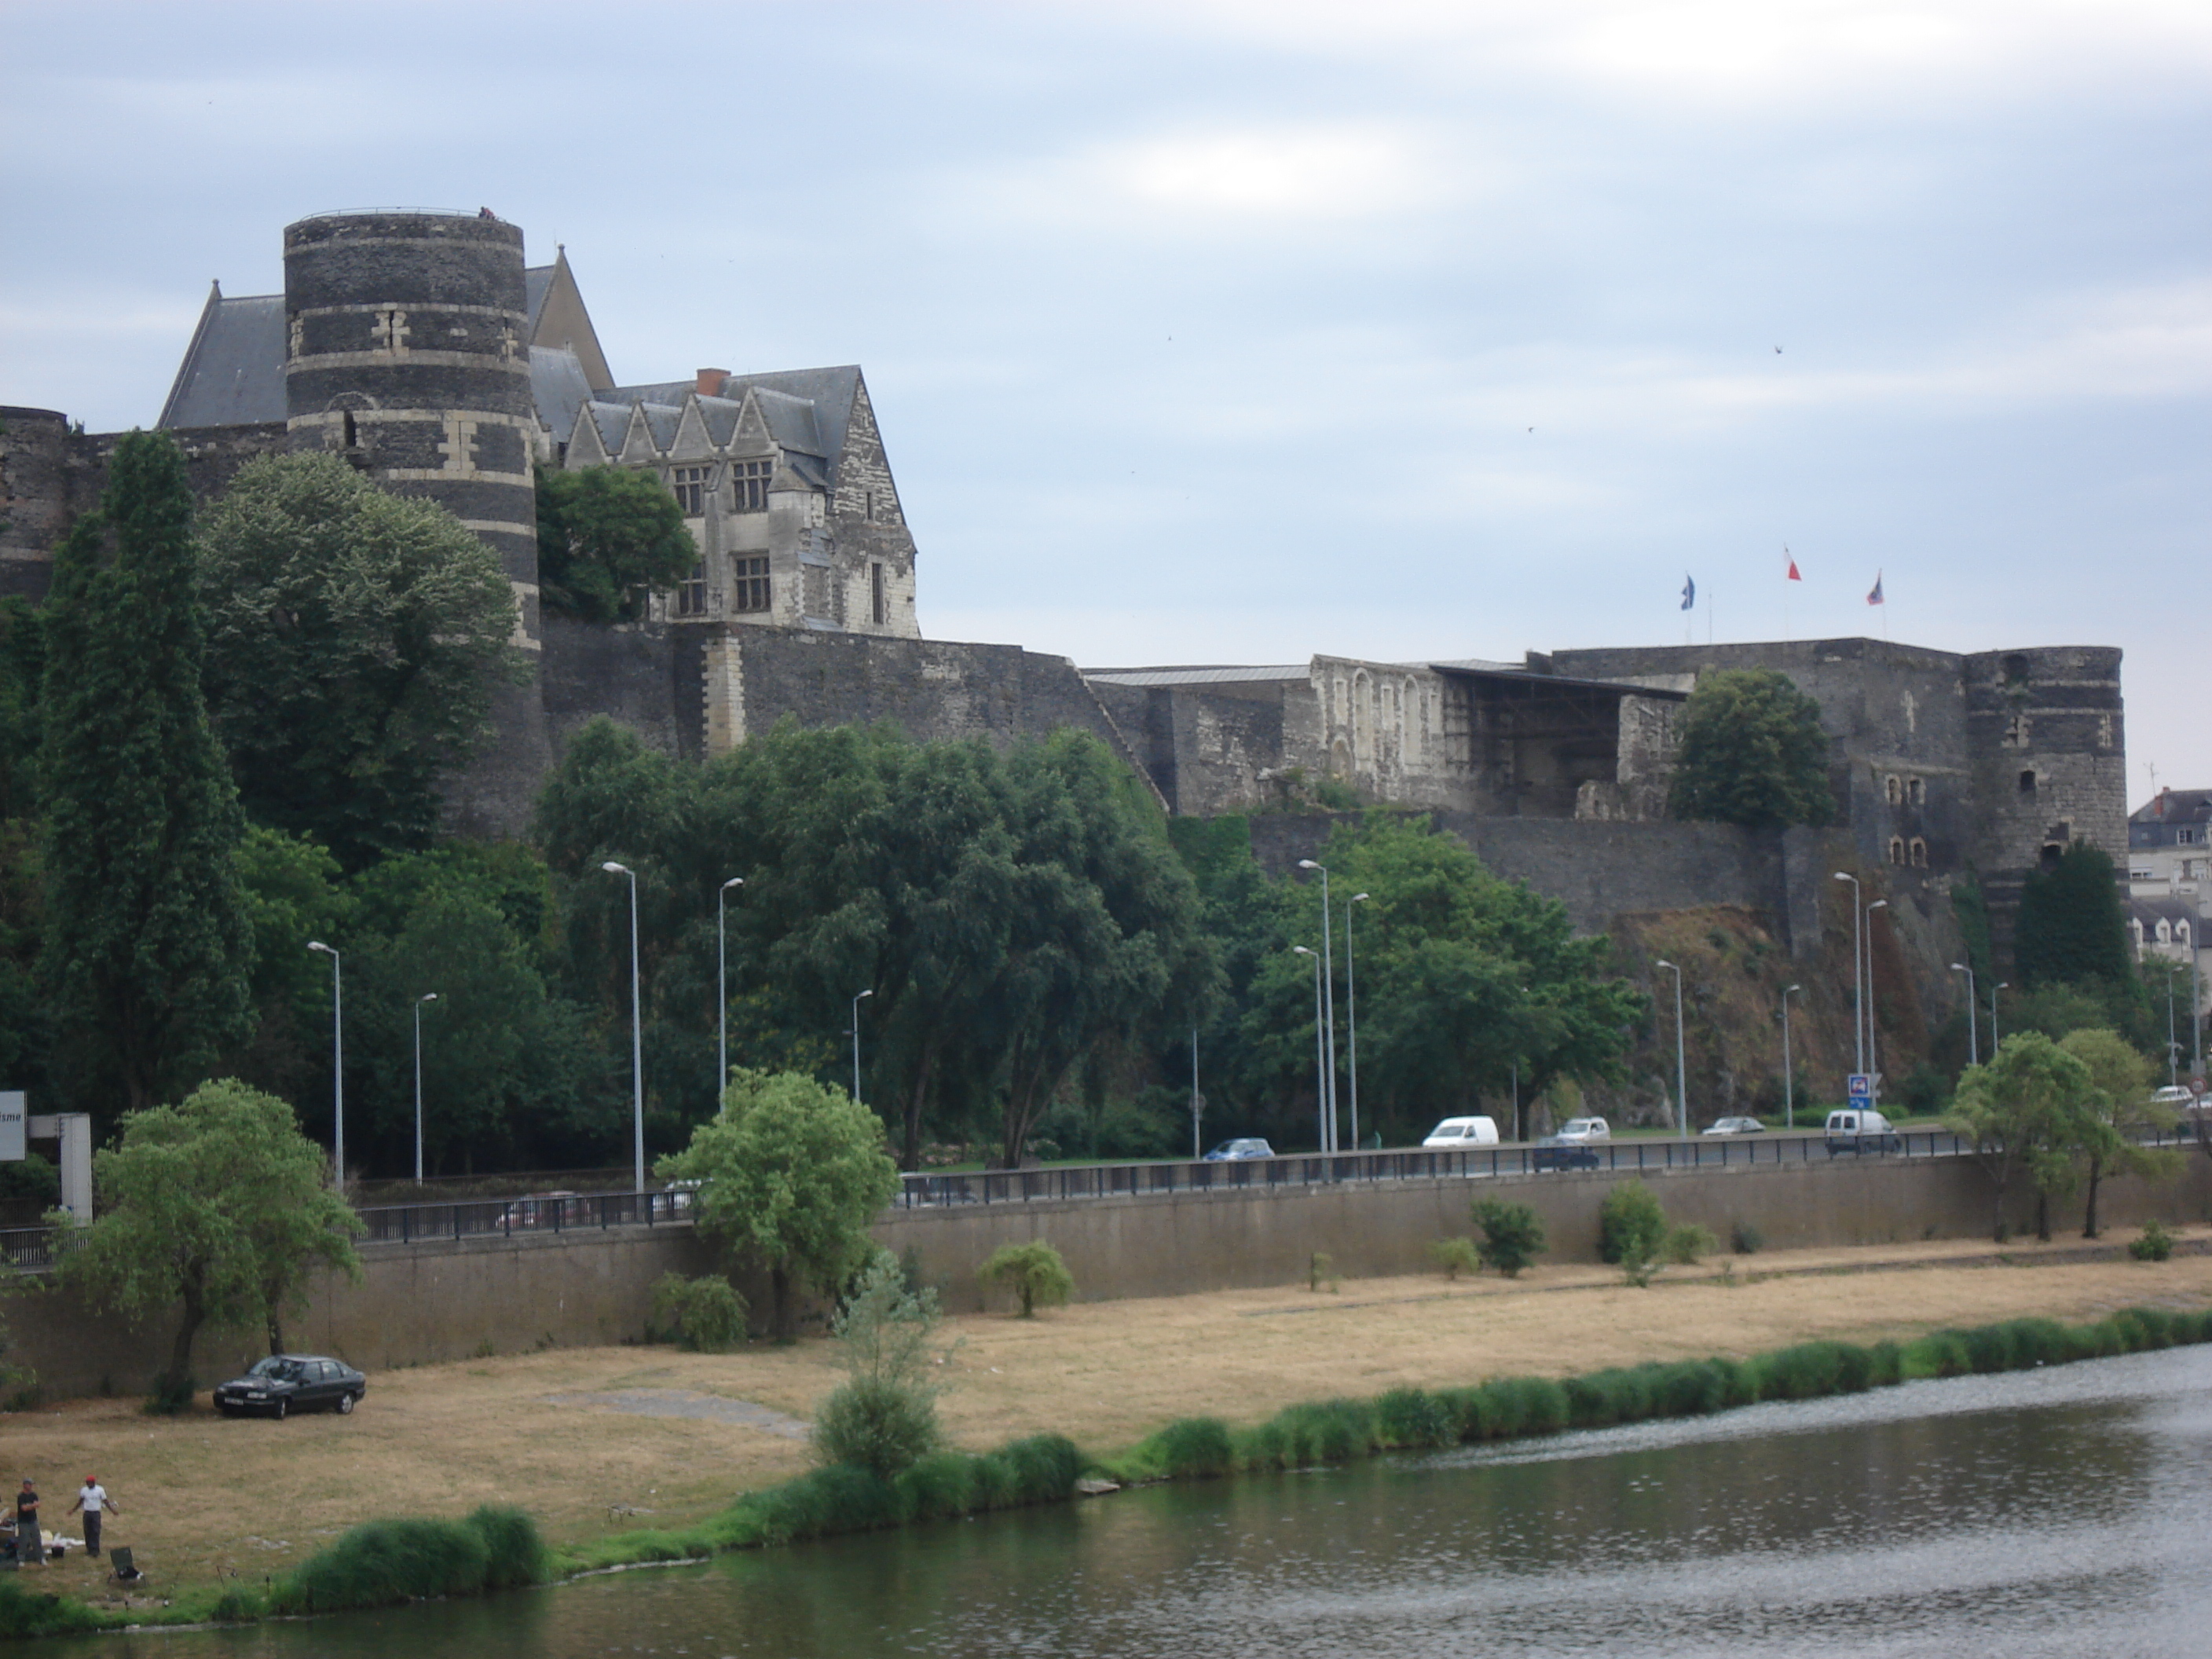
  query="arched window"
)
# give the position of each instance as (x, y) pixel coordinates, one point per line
(1897, 849)
(1890, 787)
(1916, 791)
(1920, 854)
(2027, 781)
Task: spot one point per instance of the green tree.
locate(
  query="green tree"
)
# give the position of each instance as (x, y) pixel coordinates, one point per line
(355, 638)
(217, 1207)
(1633, 1231)
(1750, 751)
(2121, 1111)
(1512, 1235)
(22, 670)
(292, 893)
(605, 535)
(793, 1172)
(2025, 1111)
(883, 1417)
(2072, 928)
(1033, 1272)
(146, 941)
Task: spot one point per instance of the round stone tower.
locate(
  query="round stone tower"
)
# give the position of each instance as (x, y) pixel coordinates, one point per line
(408, 352)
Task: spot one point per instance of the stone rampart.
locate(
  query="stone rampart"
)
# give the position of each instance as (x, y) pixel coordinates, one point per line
(423, 1303)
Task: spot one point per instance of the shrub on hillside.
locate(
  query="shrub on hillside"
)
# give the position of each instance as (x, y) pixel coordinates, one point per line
(2155, 1243)
(1512, 1235)
(1631, 1230)
(1456, 1256)
(707, 1314)
(1686, 1243)
(1033, 1272)
(381, 1563)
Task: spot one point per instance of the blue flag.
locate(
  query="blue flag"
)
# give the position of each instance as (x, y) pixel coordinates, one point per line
(1689, 592)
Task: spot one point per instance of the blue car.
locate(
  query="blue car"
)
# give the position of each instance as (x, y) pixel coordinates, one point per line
(1229, 1152)
(1553, 1152)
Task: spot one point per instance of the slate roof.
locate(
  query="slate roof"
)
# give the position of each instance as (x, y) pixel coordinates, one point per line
(232, 373)
(536, 283)
(559, 386)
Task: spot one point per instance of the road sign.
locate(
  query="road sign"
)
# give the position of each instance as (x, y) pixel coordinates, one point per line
(11, 1126)
(2197, 1087)
(1861, 1086)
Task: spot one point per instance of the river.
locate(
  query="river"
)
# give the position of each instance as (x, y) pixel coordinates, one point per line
(2061, 1511)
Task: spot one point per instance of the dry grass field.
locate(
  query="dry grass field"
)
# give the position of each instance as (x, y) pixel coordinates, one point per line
(205, 1497)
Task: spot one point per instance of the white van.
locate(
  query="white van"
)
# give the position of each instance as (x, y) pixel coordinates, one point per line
(1456, 1132)
(1861, 1129)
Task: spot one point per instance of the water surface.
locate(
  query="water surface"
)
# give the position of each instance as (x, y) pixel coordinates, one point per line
(2058, 1512)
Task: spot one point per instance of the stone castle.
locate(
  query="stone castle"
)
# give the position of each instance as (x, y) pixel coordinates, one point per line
(423, 347)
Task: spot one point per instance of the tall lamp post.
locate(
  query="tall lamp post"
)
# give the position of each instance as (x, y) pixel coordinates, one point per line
(338, 1061)
(1320, 1051)
(857, 1001)
(1194, 1107)
(1858, 1010)
(1873, 1053)
(2002, 985)
(1352, 1013)
(722, 986)
(1973, 1040)
(1789, 1073)
(636, 1037)
(1328, 1001)
(426, 996)
(1681, 1071)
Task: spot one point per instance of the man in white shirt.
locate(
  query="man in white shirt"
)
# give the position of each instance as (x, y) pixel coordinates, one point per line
(93, 1499)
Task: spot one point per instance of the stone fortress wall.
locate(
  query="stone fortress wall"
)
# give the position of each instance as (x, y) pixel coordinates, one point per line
(421, 347)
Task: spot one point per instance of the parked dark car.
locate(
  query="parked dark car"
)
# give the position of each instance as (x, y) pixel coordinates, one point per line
(1554, 1153)
(1229, 1152)
(1736, 1126)
(288, 1382)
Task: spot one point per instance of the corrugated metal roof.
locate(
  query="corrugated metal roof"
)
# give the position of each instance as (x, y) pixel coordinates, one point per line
(233, 371)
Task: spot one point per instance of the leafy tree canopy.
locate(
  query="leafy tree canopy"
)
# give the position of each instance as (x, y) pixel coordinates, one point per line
(1750, 751)
(354, 640)
(146, 946)
(2027, 1110)
(793, 1172)
(2072, 928)
(215, 1207)
(605, 535)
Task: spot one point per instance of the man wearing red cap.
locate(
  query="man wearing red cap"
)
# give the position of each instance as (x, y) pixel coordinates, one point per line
(93, 1499)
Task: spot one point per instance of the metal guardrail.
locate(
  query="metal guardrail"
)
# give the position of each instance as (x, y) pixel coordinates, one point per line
(553, 1214)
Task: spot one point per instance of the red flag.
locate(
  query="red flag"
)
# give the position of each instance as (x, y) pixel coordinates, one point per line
(1793, 575)
(1876, 598)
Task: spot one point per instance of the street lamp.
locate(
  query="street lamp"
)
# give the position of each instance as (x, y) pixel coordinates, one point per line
(1681, 1072)
(722, 986)
(1858, 1011)
(856, 1042)
(1320, 1054)
(1352, 1013)
(1328, 1001)
(1973, 1040)
(338, 1061)
(428, 996)
(1874, 1056)
(2002, 985)
(636, 1037)
(1788, 1075)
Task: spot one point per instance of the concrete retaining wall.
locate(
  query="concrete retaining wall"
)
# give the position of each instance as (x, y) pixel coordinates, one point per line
(439, 1302)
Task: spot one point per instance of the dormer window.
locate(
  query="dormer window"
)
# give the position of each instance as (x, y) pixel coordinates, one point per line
(690, 486)
(748, 486)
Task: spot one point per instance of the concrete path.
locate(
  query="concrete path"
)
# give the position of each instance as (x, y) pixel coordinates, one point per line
(687, 1402)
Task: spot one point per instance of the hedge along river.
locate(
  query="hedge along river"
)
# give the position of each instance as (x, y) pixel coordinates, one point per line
(2054, 1512)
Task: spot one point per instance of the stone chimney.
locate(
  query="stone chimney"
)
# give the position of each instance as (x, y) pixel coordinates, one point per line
(710, 382)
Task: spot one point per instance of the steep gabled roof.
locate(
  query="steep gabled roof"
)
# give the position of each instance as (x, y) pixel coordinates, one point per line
(233, 371)
(560, 387)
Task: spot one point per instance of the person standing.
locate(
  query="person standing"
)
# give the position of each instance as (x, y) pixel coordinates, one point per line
(30, 1547)
(93, 1499)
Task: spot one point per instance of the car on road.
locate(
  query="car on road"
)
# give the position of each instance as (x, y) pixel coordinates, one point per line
(1861, 1129)
(287, 1383)
(1580, 1131)
(1232, 1152)
(1457, 1132)
(2177, 1097)
(1737, 1126)
(1558, 1153)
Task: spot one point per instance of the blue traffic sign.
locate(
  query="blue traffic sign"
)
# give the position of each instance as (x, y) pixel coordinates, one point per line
(1861, 1086)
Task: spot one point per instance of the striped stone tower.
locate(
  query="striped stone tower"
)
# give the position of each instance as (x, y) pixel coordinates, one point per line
(408, 352)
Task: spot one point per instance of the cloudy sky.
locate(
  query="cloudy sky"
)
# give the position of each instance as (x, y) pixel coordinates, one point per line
(1228, 332)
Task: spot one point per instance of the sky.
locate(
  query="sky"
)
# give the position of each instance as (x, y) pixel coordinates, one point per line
(1234, 330)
